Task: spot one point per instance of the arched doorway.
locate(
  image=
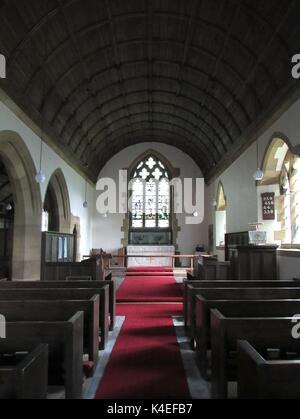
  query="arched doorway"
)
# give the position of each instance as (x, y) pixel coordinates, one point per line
(26, 197)
(56, 209)
(6, 223)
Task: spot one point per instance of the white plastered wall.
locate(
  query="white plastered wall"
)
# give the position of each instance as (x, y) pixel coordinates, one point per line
(243, 198)
(107, 231)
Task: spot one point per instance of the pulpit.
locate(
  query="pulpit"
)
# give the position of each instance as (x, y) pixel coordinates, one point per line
(253, 262)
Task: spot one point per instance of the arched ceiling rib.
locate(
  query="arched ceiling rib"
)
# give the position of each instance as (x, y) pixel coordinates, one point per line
(192, 73)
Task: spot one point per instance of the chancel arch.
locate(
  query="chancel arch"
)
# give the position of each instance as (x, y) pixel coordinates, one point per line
(56, 210)
(27, 206)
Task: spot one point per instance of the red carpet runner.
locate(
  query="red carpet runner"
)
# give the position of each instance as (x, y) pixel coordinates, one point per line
(146, 361)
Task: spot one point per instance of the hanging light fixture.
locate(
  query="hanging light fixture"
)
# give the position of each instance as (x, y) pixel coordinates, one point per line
(85, 162)
(8, 207)
(40, 177)
(85, 204)
(258, 174)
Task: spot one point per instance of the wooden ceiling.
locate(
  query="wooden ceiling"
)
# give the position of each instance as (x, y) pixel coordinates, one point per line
(100, 75)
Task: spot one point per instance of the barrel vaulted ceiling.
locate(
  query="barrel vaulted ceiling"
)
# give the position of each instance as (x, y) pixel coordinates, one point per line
(100, 75)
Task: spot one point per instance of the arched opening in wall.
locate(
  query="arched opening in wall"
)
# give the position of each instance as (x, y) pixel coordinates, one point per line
(6, 223)
(282, 182)
(56, 211)
(151, 219)
(221, 205)
(27, 208)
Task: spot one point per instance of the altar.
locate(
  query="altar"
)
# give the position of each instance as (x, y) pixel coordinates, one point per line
(148, 256)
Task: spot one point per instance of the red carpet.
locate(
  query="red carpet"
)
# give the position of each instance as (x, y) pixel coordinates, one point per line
(145, 289)
(149, 273)
(149, 269)
(146, 361)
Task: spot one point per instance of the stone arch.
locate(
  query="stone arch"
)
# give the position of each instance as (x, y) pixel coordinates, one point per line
(275, 154)
(59, 190)
(279, 167)
(21, 171)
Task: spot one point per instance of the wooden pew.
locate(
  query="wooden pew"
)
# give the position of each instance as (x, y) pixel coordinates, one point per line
(65, 342)
(234, 294)
(66, 294)
(231, 284)
(58, 271)
(226, 332)
(55, 311)
(71, 284)
(260, 378)
(245, 308)
(213, 270)
(25, 378)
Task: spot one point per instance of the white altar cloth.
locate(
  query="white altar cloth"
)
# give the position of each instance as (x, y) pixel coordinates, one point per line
(151, 252)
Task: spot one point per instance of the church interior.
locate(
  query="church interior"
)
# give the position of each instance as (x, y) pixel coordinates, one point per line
(149, 199)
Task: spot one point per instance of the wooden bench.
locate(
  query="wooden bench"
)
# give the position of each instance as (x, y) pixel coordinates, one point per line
(26, 376)
(245, 308)
(231, 284)
(234, 294)
(260, 378)
(213, 270)
(225, 334)
(58, 271)
(71, 284)
(66, 294)
(55, 311)
(65, 342)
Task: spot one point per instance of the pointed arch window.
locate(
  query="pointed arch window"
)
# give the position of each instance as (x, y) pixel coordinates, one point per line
(282, 176)
(290, 191)
(221, 205)
(150, 195)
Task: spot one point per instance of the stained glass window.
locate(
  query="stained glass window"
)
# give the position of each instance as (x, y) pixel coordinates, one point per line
(150, 199)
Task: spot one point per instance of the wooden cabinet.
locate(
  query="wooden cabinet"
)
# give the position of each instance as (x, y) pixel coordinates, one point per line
(253, 262)
(210, 269)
